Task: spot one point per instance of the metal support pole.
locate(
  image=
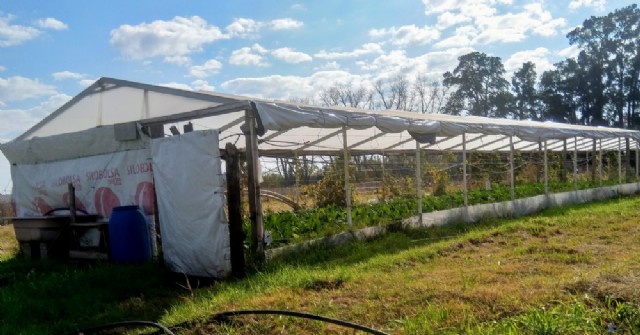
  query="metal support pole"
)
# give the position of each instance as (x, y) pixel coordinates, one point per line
(512, 170)
(464, 169)
(637, 161)
(599, 163)
(347, 186)
(575, 163)
(619, 161)
(546, 169)
(419, 181)
(297, 175)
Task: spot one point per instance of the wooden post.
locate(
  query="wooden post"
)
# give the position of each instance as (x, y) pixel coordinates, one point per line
(72, 202)
(546, 169)
(563, 171)
(234, 205)
(253, 186)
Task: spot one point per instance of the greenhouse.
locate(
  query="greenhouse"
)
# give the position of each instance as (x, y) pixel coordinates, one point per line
(289, 149)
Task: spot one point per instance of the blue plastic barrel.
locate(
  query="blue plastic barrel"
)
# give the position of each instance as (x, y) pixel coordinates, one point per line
(129, 240)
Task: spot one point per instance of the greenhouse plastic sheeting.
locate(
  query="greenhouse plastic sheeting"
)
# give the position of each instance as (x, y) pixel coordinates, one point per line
(101, 182)
(189, 185)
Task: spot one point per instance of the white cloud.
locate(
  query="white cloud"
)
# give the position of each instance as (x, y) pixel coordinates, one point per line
(290, 87)
(462, 37)
(2, 68)
(205, 70)
(244, 28)
(67, 75)
(299, 6)
(202, 85)
(180, 86)
(290, 56)
(330, 66)
(14, 122)
(285, 24)
(448, 19)
(252, 56)
(538, 56)
(11, 34)
(486, 24)
(20, 88)
(177, 37)
(407, 35)
(595, 4)
(516, 27)
(570, 52)
(369, 48)
(179, 60)
(87, 82)
(51, 23)
(398, 63)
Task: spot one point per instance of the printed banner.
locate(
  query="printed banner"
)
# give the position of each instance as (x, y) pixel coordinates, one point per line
(101, 183)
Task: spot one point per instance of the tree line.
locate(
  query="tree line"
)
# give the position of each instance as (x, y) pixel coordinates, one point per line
(598, 87)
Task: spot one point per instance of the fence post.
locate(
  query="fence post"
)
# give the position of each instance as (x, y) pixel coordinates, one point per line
(419, 181)
(347, 186)
(512, 168)
(546, 169)
(575, 163)
(234, 205)
(464, 170)
(599, 161)
(255, 203)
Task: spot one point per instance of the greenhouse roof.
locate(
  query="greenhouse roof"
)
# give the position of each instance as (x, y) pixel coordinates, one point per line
(287, 129)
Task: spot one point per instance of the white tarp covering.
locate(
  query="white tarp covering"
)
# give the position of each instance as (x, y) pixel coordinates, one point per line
(189, 184)
(101, 182)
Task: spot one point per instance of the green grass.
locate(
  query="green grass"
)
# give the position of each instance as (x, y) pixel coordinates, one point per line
(572, 270)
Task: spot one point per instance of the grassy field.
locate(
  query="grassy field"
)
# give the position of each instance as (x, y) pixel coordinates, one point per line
(573, 270)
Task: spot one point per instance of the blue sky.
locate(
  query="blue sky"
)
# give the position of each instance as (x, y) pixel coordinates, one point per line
(52, 50)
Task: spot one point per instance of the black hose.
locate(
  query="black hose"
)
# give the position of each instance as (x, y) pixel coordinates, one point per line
(224, 315)
(96, 329)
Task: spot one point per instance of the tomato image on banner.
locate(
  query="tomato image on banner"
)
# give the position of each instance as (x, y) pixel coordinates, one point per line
(42, 206)
(105, 199)
(145, 197)
(79, 205)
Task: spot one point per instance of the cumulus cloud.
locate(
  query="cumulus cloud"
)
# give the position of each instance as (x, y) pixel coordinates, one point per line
(51, 23)
(66, 75)
(176, 85)
(14, 122)
(20, 88)
(249, 56)
(397, 62)
(177, 37)
(290, 87)
(570, 52)
(202, 85)
(179, 60)
(244, 28)
(285, 24)
(448, 19)
(538, 56)
(205, 70)
(484, 23)
(595, 4)
(13, 34)
(290, 56)
(366, 49)
(407, 35)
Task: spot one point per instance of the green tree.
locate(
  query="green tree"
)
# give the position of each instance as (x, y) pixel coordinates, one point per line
(523, 84)
(479, 86)
(610, 56)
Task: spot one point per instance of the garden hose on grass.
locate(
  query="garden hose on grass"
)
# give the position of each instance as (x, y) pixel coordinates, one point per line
(223, 316)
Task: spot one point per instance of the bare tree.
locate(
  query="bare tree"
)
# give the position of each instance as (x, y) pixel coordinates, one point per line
(347, 96)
